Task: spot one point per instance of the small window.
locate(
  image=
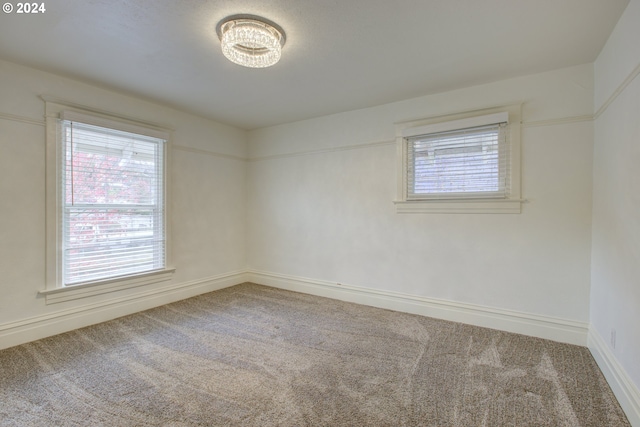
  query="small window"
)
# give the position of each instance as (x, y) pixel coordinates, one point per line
(461, 165)
(466, 163)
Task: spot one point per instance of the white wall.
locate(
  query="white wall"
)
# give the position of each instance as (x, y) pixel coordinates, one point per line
(615, 290)
(320, 198)
(208, 205)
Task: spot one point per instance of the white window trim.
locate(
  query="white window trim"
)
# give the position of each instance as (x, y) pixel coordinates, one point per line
(510, 205)
(55, 291)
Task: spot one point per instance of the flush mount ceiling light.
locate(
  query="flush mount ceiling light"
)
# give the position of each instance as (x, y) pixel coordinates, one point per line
(250, 41)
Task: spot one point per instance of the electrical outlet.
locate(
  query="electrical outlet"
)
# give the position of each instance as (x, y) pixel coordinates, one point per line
(613, 338)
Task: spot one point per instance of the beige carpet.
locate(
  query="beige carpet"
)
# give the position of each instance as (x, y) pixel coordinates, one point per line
(257, 356)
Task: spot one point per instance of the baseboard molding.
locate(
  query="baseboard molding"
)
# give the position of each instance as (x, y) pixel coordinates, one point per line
(562, 330)
(34, 328)
(31, 329)
(625, 390)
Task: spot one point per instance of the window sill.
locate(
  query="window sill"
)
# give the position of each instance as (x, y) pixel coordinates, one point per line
(495, 206)
(89, 289)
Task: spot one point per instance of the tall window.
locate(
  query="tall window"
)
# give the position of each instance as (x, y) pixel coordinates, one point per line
(112, 202)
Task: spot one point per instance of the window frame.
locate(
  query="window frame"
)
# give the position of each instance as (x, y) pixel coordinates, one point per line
(459, 204)
(55, 291)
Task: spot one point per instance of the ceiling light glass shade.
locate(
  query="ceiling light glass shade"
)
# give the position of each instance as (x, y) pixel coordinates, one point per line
(251, 42)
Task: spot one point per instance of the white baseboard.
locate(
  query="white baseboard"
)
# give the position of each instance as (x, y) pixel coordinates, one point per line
(34, 328)
(30, 329)
(562, 330)
(625, 390)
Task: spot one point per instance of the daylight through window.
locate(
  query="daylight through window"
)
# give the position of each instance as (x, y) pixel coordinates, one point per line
(467, 163)
(112, 203)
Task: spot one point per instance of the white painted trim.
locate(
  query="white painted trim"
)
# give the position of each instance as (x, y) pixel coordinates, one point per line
(560, 121)
(492, 206)
(469, 122)
(57, 322)
(323, 151)
(207, 152)
(547, 327)
(626, 82)
(21, 119)
(623, 387)
(60, 104)
(90, 289)
(129, 126)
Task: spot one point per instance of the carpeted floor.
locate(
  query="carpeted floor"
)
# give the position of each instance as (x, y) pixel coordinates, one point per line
(257, 356)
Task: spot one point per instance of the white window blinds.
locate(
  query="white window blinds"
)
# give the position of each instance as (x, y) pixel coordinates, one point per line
(468, 163)
(112, 188)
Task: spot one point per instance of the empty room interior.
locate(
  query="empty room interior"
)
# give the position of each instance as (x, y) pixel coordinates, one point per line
(320, 213)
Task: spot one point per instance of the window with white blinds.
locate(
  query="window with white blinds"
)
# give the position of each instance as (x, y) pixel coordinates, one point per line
(465, 163)
(112, 207)
(460, 163)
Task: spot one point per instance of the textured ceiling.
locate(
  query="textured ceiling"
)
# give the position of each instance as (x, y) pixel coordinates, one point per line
(340, 54)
